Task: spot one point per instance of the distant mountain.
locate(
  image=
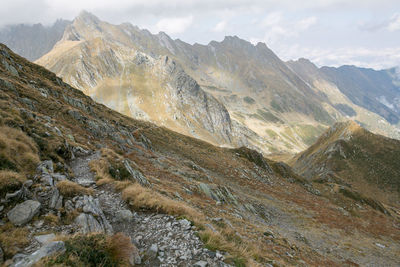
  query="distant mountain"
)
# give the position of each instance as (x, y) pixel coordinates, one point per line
(368, 88)
(32, 41)
(241, 94)
(349, 154)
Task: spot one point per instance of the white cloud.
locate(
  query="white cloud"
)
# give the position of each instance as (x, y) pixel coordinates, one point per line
(359, 56)
(220, 27)
(306, 23)
(174, 25)
(394, 24)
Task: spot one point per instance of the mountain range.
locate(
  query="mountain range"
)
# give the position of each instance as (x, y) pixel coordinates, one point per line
(230, 93)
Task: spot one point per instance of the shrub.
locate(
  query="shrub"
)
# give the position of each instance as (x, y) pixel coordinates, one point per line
(12, 239)
(70, 189)
(94, 250)
(10, 181)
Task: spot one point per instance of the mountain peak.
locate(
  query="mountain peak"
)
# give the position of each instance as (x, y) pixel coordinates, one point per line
(87, 17)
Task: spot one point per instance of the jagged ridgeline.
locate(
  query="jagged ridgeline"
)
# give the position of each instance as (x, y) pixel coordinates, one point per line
(229, 93)
(83, 185)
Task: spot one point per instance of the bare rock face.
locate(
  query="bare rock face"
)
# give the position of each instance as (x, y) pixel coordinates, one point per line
(45, 251)
(24, 212)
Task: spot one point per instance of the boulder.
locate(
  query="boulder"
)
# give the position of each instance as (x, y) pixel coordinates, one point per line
(24, 212)
(135, 258)
(87, 223)
(44, 239)
(152, 252)
(45, 251)
(123, 216)
(201, 264)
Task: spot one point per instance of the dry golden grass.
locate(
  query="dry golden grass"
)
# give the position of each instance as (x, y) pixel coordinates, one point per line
(51, 219)
(12, 239)
(120, 247)
(10, 180)
(139, 197)
(71, 189)
(18, 152)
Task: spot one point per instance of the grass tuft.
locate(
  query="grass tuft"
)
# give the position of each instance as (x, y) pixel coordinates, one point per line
(71, 189)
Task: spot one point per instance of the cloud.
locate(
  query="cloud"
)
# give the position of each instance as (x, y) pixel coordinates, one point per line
(220, 27)
(306, 23)
(277, 27)
(174, 25)
(359, 56)
(394, 24)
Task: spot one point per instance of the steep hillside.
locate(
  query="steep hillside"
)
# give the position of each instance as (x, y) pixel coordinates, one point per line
(354, 156)
(32, 41)
(80, 167)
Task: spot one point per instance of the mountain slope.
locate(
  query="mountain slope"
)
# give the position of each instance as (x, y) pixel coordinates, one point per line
(134, 83)
(370, 118)
(32, 41)
(373, 90)
(357, 157)
(252, 210)
(265, 99)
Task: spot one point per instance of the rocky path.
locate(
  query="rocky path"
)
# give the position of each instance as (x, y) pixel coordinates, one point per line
(162, 240)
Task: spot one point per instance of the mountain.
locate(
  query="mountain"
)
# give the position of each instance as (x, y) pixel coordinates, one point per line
(349, 153)
(70, 166)
(265, 100)
(356, 96)
(102, 60)
(32, 41)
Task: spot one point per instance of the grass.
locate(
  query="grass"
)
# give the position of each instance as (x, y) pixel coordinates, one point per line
(12, 239)
(10, 181)
(71, 189)
(93, 250)
(18, 152)
(141, 198)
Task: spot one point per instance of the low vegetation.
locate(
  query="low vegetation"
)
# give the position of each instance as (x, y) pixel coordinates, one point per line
(12, 239)
(70, 189)
(18, 152)
(10, 181)
(93, 250)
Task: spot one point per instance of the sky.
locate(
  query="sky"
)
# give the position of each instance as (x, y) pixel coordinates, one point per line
(365, 33)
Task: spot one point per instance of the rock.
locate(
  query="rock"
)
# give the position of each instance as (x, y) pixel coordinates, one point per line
(28, 183)
(24, 212)
(186, 225)
(201, 264)
(69, 206)
(44, 239)
(135, 258)
(137, 175)
(123, 216)
(59, 177)
(45, 251)
(45, 167)
(92, 205)
(1, 256)
(152, 251)
(54, 198)
(380, 245)
(87, 223)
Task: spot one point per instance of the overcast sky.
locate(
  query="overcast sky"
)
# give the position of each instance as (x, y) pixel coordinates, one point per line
(328, 32)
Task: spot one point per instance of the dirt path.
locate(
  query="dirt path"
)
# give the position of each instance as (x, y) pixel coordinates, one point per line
(161, 239)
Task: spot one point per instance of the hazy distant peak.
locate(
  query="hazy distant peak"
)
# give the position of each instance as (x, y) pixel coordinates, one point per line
(87, 17)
